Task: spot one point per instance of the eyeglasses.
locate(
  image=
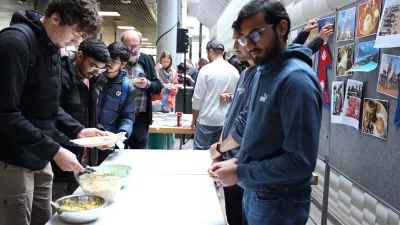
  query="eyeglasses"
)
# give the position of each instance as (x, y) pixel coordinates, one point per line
(95, 68)
(254, 36)
(136, 47)
(114, 61)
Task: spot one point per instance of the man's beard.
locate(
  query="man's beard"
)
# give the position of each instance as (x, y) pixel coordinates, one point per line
(133, 58)
(271, 53)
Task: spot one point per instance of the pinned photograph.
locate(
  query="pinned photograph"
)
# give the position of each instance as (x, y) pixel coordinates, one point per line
(344, 60)
(313, 34)
(325, 21)
(389, 27)
(368, 18)
(375, 117)
(389, 75)
(337, 96)
(352, 103)
(346, 24)
(367, 58)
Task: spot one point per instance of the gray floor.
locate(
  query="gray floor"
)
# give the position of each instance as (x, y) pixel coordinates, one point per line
(315, 212)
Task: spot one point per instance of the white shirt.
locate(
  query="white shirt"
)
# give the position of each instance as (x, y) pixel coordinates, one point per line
(214, 79)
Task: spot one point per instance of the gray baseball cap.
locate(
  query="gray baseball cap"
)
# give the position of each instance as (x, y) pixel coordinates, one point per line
(215, 45)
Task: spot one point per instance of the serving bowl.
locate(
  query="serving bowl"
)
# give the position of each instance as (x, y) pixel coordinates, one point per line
(74, 215)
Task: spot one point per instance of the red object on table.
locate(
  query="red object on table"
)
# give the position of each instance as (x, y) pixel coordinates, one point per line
(179, 118)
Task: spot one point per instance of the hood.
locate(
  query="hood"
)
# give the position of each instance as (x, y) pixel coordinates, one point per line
(32, 19)
(293, 51)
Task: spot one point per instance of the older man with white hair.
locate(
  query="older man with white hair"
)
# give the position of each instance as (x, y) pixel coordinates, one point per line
(143, 74)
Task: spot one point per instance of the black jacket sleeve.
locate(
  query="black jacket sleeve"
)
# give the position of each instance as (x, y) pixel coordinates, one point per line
(155, 84)
(68, 125)
(315, 44)
(301, 37)
(14, 63)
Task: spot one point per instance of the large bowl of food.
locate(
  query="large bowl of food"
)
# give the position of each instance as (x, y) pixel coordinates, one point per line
(115, 169)
(99, 183)
(80, 208)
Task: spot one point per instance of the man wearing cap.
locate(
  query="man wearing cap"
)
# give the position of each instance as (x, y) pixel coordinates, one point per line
(217, 77)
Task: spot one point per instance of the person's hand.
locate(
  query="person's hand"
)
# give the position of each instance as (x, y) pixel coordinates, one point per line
(193, 125)
(225, 173)
(326, 32)
(67, 161)
(188, 77)
(93, 132)
(311, 25)
(225, 97)
(141, 84)
(158, 66)
(218, 163)
(213, 152)
(156, 103)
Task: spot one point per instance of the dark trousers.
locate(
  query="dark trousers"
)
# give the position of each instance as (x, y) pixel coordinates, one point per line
(262, 209)
(140, 133)
(233, 205)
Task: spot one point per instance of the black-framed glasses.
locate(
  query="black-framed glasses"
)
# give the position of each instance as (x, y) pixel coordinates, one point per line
(254, 36)
(136, 47)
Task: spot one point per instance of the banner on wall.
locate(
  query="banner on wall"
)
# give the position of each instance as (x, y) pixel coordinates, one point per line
(389, 28)
(324, 63)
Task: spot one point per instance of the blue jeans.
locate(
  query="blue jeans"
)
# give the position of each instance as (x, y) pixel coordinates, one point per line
(204, 136)
(260, 209)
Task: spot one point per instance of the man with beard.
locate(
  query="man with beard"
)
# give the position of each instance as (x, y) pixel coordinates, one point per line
(116, 104)
(141, 68)
(79, 99)
(280, 143)
(232, 132)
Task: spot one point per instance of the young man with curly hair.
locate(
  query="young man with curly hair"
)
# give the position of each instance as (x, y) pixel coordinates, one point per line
(30, 106)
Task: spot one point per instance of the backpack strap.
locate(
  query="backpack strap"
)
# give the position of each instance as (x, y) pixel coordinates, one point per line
(32, 41)
(124, 92)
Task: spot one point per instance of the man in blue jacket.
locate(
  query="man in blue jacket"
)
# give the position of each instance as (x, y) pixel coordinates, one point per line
(116, 104)
(280, 143)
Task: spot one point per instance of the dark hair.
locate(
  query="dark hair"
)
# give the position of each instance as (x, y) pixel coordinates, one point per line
(235, 26)
(166, 54)
(81, 12)
(181, 66)
(96, 49)
(219, 52)
(274, 11)
(235, 62)
(117, 49)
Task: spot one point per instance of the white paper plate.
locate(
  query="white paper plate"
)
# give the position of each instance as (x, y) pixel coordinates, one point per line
(92, 142)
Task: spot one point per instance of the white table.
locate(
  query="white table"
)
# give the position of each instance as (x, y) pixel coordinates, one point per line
(166, 187)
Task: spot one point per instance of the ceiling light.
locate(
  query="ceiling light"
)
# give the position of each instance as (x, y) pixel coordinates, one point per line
(126, 1)
(145, 39)
(126, 28)
(148, 46)
(22, 2)
(109, 14)
(147, 43)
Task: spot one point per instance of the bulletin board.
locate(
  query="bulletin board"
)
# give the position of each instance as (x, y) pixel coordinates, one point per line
(371, 162)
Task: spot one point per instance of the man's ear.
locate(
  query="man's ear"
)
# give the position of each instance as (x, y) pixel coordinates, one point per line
(282, 28)
(55, 18)
(79, 55)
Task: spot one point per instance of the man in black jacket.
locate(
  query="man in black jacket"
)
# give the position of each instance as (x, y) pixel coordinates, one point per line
(141, 66)
(30, 108)
(79, 99)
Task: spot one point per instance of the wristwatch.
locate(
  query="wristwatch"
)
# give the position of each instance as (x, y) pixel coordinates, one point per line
(218, 148)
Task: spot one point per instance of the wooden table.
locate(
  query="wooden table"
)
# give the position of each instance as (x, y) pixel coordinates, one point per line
(166, 187)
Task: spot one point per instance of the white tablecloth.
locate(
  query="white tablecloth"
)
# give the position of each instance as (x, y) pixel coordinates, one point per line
(166, 187)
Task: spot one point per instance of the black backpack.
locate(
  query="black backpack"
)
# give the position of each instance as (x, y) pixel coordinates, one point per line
(32, 41)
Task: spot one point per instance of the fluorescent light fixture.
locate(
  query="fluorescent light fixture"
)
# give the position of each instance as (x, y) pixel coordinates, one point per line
(109, 14)
(145, 39)
(149, 46)
(147, 43)
(126, 27)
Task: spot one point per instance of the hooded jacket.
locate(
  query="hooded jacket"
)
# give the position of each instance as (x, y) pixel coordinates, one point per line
(280, 144)
(111, 116)
(29, 97)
